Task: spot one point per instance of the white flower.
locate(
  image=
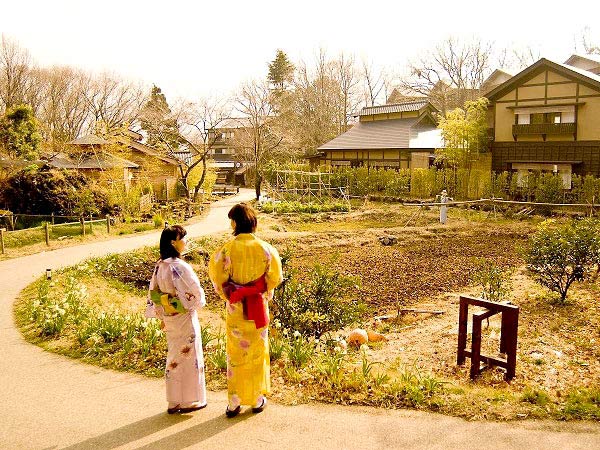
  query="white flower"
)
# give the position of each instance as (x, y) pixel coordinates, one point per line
(337, 349)
(297, 334)
(364, 348)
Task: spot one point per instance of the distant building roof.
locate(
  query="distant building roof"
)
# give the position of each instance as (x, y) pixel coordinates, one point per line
(594, 59)
(394, 108)
(89, 139)
(143, 148)
(97, 161)
(233, 123)
(382, 134)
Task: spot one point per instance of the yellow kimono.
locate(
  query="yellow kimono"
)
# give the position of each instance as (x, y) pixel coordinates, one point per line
(242, 260)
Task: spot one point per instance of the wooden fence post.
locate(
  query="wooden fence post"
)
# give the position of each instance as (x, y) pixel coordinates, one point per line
(2, 230)
(82, 221)
(91, 229)
(52, 218)
(47, 227)
(108, 223)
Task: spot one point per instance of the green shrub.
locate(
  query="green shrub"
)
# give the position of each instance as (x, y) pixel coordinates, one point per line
(583, 404)
(316, 306)
(558, 255)
(494, 281)
(45, 192)
(549, 189)
(535, 396)
(299, 351)
(158, 221)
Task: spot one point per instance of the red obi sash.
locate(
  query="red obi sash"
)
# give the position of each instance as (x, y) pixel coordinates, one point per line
(251, 297)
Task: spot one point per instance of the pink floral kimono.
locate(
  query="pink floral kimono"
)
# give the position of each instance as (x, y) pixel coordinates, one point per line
(184, 371)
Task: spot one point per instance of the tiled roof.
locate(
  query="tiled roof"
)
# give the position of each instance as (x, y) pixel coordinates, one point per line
(143, 148)
(585, 73)
(89, 139)
(394, 108)
(589, 57)
(380, 134)
(97, 161)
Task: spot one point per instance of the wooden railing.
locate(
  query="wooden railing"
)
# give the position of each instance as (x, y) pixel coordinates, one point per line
(544, 128)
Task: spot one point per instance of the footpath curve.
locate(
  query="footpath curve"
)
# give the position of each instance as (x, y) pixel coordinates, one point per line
(52, 402)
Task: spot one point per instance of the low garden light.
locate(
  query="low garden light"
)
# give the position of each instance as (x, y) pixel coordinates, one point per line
(48, 274)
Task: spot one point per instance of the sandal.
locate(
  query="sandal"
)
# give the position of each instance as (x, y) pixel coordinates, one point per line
(173, 410)
(191, 408)
(262, 406)
(232, 412)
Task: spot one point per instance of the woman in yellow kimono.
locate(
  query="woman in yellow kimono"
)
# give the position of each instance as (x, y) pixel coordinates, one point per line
(244, 272)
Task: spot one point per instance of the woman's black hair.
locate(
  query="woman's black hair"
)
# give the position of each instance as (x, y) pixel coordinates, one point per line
(167, 250)
(244, 217)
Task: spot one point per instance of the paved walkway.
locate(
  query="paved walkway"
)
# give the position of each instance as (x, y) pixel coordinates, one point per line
(52, 402)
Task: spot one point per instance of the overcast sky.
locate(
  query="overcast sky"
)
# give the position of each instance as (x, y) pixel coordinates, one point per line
(194, 48)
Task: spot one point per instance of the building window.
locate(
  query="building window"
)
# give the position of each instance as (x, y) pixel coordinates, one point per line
(551, 117)
(218, 151)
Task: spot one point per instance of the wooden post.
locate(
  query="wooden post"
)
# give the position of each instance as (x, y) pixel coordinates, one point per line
(91, 229)
(2, 230)
(475, 348)
(511, 343)
(108, 223)
(52, 218)
(82, 221)
(462, 331)
(47, 227)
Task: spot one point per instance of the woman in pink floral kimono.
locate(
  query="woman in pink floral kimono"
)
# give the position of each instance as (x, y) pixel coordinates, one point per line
(174, 297)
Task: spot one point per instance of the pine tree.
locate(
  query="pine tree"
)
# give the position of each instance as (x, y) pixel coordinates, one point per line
(281, 71)
(19, 136)
(156, 111)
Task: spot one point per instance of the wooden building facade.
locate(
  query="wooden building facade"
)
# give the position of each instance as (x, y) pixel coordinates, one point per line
(547, 119)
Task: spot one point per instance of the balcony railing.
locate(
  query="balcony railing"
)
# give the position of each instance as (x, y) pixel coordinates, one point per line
(544, 128)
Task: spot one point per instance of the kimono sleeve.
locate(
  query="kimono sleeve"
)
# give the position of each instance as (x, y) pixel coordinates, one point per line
(152, 312)
(188, 287)
(218, 269)
(274, 274)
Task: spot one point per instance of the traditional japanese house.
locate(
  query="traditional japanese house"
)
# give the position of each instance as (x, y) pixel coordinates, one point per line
(398, 136)
(547, 118)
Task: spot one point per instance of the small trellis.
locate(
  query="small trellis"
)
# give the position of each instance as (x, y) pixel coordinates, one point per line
(306, 187)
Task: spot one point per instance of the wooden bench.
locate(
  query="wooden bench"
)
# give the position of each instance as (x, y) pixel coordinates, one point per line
(508, 336)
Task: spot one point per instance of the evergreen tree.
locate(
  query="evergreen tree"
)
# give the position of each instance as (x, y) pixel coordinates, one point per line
(19, 136)
(155, 111)
(281, 71)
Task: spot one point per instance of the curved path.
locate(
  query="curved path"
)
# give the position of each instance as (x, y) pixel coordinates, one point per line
(52, 402)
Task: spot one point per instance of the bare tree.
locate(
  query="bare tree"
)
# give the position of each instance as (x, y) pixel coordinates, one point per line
(258, 139)
(113, 101)
(523, 57)
(15, 66)
(193, 138)
(450, 74)
(64, 110)
(374, 83)
(347, 76)
(589, 46)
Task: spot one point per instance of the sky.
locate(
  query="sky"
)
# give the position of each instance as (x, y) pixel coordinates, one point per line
(199, 48)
